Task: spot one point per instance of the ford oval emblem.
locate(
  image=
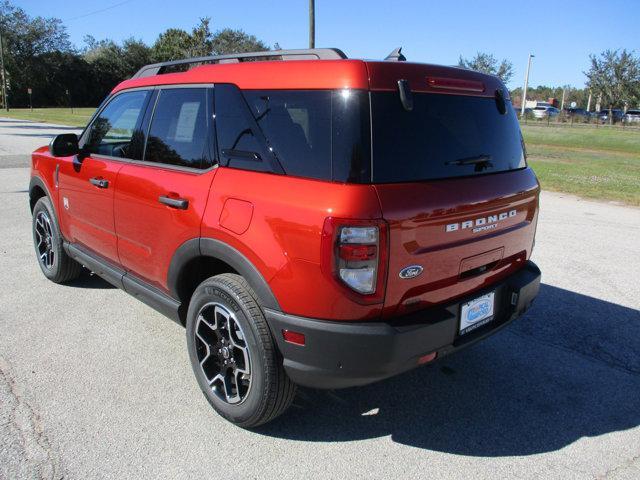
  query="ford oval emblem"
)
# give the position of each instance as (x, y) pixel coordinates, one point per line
(411, 271)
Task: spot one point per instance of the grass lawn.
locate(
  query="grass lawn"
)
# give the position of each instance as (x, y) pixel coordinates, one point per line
(61, 116)
(600, 163)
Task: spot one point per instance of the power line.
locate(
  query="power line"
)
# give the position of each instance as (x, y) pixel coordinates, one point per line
(99, 11)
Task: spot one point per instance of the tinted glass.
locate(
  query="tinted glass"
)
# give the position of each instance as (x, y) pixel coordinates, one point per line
(351, 136)
(443, 136)
(239, 142)
(113, 132)
(297, 126)
(179, 129)
(321, 134)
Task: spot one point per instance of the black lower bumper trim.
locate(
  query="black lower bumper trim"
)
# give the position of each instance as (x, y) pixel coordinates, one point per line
(345, 354)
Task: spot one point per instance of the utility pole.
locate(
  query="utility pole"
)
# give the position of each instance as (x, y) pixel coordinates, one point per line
(312, 24)
(564, 90)
(4, 75)
(526, 84)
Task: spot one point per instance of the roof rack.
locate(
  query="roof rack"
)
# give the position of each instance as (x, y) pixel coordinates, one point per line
(298, 54)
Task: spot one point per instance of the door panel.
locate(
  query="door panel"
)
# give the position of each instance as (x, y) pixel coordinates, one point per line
(87, 182)
(150, 231)
(160, 202)
(86, 209)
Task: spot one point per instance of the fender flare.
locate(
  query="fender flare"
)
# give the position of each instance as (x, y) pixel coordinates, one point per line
(38, 182)
(209, 247)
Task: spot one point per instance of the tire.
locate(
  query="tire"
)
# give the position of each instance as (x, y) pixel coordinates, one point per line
(225, 324)
(54, 262)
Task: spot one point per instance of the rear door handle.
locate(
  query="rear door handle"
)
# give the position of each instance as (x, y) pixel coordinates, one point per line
(179, 203)
(99, 182)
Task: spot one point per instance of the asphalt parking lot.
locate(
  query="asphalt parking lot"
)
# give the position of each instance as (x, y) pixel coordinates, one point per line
(94, 384)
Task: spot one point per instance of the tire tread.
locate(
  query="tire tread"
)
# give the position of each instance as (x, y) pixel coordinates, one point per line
(68, 268)
(280, 391)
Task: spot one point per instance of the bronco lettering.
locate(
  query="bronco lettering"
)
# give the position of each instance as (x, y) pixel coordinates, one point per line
(488, 222)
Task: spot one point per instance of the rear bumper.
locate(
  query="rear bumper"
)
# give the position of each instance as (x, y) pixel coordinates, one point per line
(346, 354)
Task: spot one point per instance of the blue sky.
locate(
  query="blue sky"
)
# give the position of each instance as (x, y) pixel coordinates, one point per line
(561, 34)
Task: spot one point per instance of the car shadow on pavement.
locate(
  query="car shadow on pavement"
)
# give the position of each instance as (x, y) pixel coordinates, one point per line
(89, 280)
(570, 368)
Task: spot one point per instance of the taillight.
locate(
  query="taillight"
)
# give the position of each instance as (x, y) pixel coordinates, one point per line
(357, 261)
(355, 254)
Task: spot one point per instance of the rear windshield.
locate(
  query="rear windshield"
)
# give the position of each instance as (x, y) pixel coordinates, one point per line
(443, 136)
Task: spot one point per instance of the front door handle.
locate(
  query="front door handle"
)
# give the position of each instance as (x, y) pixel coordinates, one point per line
(99, 182)
(179, 203)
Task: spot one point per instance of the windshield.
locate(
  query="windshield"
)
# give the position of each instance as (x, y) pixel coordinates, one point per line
(443, 136)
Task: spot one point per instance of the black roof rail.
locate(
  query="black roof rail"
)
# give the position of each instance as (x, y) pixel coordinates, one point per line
(297, 54)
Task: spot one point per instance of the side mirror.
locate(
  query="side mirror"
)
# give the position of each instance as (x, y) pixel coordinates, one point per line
(64, 145)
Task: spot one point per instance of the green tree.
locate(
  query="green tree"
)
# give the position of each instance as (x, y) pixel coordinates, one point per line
(135, 54)
(487, 63)
(38, 55)
(175, 43)
(26, 40)
(172, 44)
(106, 60)
(227, 41)
(614, 75)
(201, 43)
(113, 63)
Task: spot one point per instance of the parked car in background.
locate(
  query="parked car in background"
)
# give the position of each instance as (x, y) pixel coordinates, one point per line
(632, 116)
(527, 112)
(616, 113)
(577, 113)
(544, 111)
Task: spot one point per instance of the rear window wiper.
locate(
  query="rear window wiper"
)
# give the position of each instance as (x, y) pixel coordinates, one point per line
(480, 161)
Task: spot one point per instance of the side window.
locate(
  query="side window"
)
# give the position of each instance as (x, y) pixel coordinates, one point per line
(238, 142)
(179, 129)
(113, 132)
(297, 126)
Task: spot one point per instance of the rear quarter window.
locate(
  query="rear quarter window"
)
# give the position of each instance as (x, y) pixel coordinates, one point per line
(297, 125)
(318, 134)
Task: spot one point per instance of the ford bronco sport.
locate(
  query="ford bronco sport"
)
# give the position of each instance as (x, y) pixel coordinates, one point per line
(327, 222)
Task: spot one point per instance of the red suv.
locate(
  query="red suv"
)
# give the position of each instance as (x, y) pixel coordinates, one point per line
(327, 222)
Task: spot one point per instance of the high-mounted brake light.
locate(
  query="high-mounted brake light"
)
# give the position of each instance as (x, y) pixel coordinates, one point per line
(355, 254)
(456, 84)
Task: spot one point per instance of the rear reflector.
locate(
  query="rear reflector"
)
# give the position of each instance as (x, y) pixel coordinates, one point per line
(296, 338)
(455, 84)
(358, 252)
(427, 358)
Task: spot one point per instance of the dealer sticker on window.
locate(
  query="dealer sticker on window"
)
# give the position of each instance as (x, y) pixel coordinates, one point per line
(476, 313)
